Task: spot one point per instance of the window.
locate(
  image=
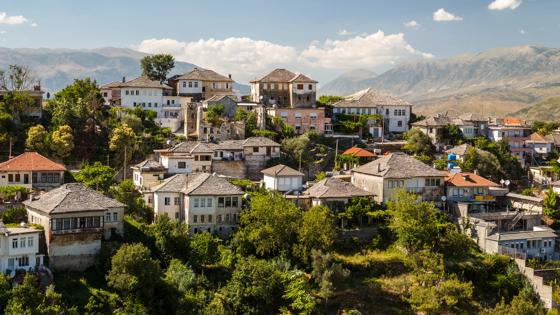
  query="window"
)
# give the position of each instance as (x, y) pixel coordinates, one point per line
(255, 149)
(220, 202)
(209, 218)
(137, 92)
(432, 182)
(10, 177)
(399, 123)
(195, 218)
(234, 201)
(219, 218)
(227, 218)
(209, 202)
(228, 202)
(22, 242)
(167, 201)
(310, 87)
(115, 216)
(396, 183)
(15, 243)
(387, 112)
(176, 201)
(185, 84)
(203, 202)
(66, 223)
(108, 217)
(195, 84)
(190, 84)
(23, 261)
(195, 202)
(176, 215)
(300, 87)
(18, 178)
(202, 218)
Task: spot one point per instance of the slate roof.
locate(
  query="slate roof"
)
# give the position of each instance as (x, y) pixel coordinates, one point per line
(359, 152)
(462, 149)
(150, 166)
(198, 184)
(398, 165)
(370, 98)
(282, 75)
(140, 82)
(190, 147)
(204, 75)
(537, 138)
(30, 161)
(218, 98)
(110, 85)
(333, 187)
(72, 197)
(281, 170)
(466, 179)
(441, 121)
(522, 235)
(260, 141)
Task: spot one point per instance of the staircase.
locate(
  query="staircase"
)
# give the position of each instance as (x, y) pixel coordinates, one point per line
(515, 219)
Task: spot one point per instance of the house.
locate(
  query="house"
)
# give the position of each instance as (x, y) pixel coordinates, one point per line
(257, 152)
(542, 146)
(539, 242)
(32, 170)
(461, 150)
(470, 125)
(201, 84)
(75, 220)
(390, 173)
(515, 132)
(225, 129)
(204, 201)
(147, 174)
(469, 193)
(333, 192)
(304, 119)
(283, 88)
(229, 102)
(395, 111)
(282, 178)
(187, 157)
(354, 157)
(19, 249)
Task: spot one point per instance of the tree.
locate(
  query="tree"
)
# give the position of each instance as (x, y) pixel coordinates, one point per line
(17, 78)
(452, 134)
(156, 67)
(356, 210)
(62, 141)
(132, 268)
(269, 226)
(180, 276)
(171, 239)
(298, 291)
(485, 163)
(327, 100)
(249, 118)
(36, 139)
(204, 249)
(551, 204)
(521, 304)
(127, 193)
(317, 232)
(214, 113)
(96, 176)
(326, 273)
(123, 141)
(418, 142)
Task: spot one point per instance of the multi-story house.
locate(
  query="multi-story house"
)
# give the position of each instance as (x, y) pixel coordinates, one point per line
(147, 174)
(75, 219)
(515, 132)
(283, 88)
(395, 111)
(541, 146)
(31, 170)
(282, 178)
(469, 192)
(201, 84)
(333, 192)
(304, 119)
(434, 127)
(204, 201)
(187, 157)
(19, 249)
(398, 171)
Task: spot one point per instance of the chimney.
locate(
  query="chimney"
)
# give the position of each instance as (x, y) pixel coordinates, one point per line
(123, 79)
(378, 167)
(229, 75)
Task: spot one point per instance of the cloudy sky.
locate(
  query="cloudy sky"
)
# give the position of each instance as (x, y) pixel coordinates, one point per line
(321, 38)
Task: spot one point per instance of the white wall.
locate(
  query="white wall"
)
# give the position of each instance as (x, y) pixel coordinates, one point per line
(172, 210)
(283, 183)
(189, 90)
(171, 164)
(145, 95)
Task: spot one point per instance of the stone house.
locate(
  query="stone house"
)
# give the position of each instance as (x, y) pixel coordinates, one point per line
(333, 192)
(19, 249)
(201, 84)
(397, 171)
(147, 174)
(187, 157)
(304, 119)
(283, 88)
(32, 170)
(282, 178)
(229, 102)
(75, 220)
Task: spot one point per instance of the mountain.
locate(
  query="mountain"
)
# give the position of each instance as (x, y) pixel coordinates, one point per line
(495, 82)
(56, 68)
(548, 110)
(348, 83)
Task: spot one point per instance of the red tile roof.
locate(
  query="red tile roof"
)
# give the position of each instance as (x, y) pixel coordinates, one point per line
(30, 161)
(359, 152)
(468, 180)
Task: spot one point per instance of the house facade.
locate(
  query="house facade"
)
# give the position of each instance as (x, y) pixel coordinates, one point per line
(283, 88)
(334, 193)
(201, 84)
(32, 170)
(397, 171)
(147, 174)
(19, 249)
(515, 132)
(282, 178)
(304, 119)
(75, 219)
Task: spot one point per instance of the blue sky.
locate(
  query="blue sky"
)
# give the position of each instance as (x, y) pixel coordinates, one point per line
(247, 38)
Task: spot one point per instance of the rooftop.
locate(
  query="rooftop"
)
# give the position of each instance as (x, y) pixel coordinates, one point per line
(282, 76)
(72, 197)
(204, 75)
(462, 149)
(281, 170)
(198, 184)
(359, 152)
(149, 166)
(140, 82)
(398, 165)
(332, 187)
(468, 180)
(30, 161)
(523, 235)
(370, 98)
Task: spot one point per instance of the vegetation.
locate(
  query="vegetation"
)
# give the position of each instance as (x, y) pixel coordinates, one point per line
(156, 67)
(418, 143)
(328, 100)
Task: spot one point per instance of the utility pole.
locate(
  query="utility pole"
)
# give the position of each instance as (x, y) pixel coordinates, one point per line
(10, 151)
(124, 169)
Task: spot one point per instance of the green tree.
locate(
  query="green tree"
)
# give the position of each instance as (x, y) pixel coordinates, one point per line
(171, 238)
(204, 249)
(317, 232)
(249, 118)
(327, 273)
(521, 304)
(127, 193)
(180, 276)
(156, 67)
(484, 162)
(551, 204)
(123, 139)
(62, 141)
(36, 139)
(418, 143)
(328, 100)
(96, 176)
(452, 134)
(298, 292)
(356, 210)
(214, 113)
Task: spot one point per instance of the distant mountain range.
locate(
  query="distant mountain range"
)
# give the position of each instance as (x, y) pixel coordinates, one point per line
(56, 68)
(495, 82)
(348, 83)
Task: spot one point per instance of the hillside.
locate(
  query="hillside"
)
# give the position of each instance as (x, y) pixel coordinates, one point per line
(548, 110)
(348, 83)
(57, 68)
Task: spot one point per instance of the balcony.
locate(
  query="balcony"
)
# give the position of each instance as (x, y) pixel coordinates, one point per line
(77, 231)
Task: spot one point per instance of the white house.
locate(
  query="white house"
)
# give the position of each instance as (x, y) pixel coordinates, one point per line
(205, 202)
(31, 170)
(19, 249)
(333, 192)
(542, 146)
(202, 84)
(147, 174)
(395, 111)
(282, 178)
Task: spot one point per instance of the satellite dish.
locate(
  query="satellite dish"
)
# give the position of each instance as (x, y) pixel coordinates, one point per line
(443, 198)
(507, 182)
(502, 181)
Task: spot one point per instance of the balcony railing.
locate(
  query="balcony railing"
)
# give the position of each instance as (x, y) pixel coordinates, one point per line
(77, 231)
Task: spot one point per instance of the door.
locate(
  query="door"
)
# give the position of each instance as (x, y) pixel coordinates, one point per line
(268, 151)
(26, 178)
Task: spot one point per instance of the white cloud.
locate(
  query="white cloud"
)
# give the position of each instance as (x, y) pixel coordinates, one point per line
(443, 16)
(412, 24)
(345, 33)
(504, 4)
(34, 24)
(13, 19)
(243, 57)
(370, 51)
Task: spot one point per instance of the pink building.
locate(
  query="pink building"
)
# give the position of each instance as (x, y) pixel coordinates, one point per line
(303, 119)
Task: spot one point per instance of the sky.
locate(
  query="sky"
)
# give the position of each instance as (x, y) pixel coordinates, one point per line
(249, 38)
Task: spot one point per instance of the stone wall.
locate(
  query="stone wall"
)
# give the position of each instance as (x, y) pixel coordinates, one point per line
(536, 279)
(76, 251)
(255, 164)
(235, 169)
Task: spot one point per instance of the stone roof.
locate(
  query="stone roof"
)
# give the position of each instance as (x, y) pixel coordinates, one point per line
(332, 187)
(537, 138)
(370, 98)
(523, 235)
(441, 121)
(30, 161)
(72, 197)
(260, 142)
(231, 145)
(282, 76)
(466, 179)
(218, 98)
(198, 184)
(398, 165)
(149, 166)
(473, 117)
(281, 170)
(141, 82)
(111, 85)
(462, 149)
(204, 75)
(190, 147)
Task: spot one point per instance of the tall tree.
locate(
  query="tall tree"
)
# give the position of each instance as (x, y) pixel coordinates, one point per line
(418, 142)
(317, 232)
(17, 78)
(36, 139)
(123, 141)
(96, 176)
(156, 67)
(62, 141)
